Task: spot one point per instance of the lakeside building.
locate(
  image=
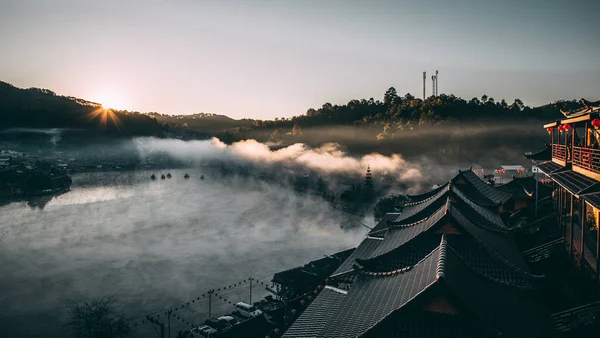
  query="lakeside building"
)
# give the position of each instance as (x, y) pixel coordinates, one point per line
(573, 164)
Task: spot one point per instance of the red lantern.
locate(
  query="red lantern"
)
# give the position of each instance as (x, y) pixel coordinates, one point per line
(561, 128)
(596, 123)
(567, 126)
(309, 298)
(319, 287)
(303, 302)
(276, 331)
(549, 129)
(293, 312)
(482, 171)
(316, 292)
(327, 281)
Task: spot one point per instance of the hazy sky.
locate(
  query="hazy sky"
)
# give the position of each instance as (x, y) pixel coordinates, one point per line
(278, 58)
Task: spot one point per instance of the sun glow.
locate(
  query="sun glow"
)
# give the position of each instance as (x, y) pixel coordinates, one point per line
(110, 100)
(105, 116)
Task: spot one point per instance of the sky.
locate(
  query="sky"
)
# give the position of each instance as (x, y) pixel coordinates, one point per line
(278, 58)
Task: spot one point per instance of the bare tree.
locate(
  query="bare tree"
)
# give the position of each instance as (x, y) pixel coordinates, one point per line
(98, 318)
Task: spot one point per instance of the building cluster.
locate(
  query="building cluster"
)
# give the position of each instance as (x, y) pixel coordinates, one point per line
(23, 176)
(474, 259)
(447, 265)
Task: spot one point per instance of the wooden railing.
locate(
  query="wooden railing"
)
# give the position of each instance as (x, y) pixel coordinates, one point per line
(587, 158)
(576, 317)
(559, 152)
(544, 251)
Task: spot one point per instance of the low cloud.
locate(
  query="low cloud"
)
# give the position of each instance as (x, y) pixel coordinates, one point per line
(330, 158)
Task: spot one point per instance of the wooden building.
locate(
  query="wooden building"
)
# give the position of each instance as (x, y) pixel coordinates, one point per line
(574, 167)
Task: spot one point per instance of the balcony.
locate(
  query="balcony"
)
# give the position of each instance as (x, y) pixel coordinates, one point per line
(559, 154)
(586, 161)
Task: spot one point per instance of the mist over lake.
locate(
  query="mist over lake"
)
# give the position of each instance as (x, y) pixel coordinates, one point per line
(154, 244)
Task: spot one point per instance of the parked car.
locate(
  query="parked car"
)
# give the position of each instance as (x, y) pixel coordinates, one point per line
(217, 323)
(229, 319)
(247, 310)
(204, 331)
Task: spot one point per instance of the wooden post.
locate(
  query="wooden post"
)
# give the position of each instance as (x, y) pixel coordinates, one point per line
(571, 222)
(582, 229)
(558, 211)
(597, 247)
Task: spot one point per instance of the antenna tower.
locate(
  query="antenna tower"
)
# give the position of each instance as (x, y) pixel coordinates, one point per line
(436, 83)
(424, 78)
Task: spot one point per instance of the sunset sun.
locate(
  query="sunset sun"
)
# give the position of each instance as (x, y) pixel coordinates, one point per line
(110, 100)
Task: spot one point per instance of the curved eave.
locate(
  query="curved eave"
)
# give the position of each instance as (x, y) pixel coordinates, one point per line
(551, 124)
(581, 118)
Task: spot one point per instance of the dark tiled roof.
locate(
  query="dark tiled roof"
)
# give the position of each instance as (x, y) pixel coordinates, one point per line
(372, 298)
(495, 195)
(549, 167)
(423, 324)
(376, 303)
(481, 216)
(524, 187)
(363, 251)
(314, 271)
(312, 321)
(425, 196)
(413, 211)
(407, 255)
(481, 261)
(593, 199)
(513, 312)
(398, 235)
(501, 244)
(542, 155)
(572, 181)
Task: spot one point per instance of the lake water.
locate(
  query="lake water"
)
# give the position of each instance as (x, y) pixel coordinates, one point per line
(154, 245)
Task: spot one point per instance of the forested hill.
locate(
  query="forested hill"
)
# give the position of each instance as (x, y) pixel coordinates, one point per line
(377, 120)
(42, 108)
(399, 115)
(207, 123)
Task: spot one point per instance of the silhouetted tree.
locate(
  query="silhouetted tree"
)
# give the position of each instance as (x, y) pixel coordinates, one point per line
(390, 96)
(98, 319)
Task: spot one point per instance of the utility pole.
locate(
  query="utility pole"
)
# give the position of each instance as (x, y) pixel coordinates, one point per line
(156, 322)
(169, 322)
(210, 302)
(251, 279)
(536, 195)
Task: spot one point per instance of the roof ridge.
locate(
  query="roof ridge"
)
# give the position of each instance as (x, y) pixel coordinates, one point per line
(406, 225)
(441, 264)
(406, 204)
(362, 270)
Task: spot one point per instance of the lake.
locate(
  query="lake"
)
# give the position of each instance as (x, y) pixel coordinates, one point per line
(154, 244)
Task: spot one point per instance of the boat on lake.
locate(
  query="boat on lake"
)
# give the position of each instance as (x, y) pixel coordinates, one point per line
(153, 177)
(186, 176)
(162, 177)
(168, 175)
(202, 177)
